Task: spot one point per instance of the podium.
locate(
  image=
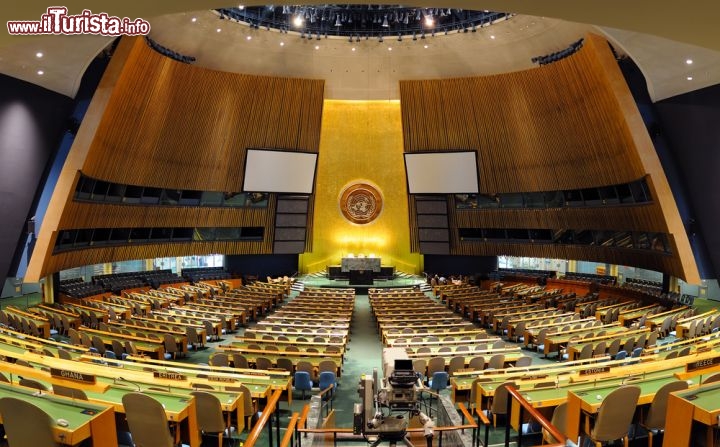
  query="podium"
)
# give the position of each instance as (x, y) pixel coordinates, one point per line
(361, 278)
(350, 264)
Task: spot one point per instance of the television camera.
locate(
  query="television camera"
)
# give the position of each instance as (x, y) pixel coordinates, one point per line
(388, 406)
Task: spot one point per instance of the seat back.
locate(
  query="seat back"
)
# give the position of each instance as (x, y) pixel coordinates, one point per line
(209, 412)
(25, 424)
(523, 361)
(615, 414)
(147, 420)
(326, 379)
(497, 361)
(219, 359)
(302, 380)
(656, 414)
(285, 363)
(499, 403)
(262, 363)
(71, 392)
(456, 363)
(439, 381)
(558, 420)
(434, 365)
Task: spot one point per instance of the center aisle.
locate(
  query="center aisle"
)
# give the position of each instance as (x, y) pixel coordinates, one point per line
(363, 353)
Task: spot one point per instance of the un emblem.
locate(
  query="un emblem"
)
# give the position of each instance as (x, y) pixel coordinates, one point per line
(360, 203)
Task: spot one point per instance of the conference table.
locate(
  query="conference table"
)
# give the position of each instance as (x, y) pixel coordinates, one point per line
(701, 405)
(85, 420)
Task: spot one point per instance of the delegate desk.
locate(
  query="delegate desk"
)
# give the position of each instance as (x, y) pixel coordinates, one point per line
(587, 400)
(86, 420)
(701, 405)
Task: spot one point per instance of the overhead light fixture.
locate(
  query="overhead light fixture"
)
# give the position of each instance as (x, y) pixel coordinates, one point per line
(218, 30)
(317, 47)
(429, 21)
(689, 78)
(194, 19)
(249, 37)
(492, 37)
(353, 48)
(40, 72)
(689, 61)
(282, 44)
(298, 21)
(425, 46)
(389, 48)
(39, 54)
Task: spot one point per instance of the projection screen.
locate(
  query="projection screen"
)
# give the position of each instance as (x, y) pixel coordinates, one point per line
(442, 172)
(279, 171)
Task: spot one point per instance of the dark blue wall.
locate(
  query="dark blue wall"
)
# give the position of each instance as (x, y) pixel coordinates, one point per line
(691, 124)
(459, 265)
(678, 140)
(32, 121)
(262, 265)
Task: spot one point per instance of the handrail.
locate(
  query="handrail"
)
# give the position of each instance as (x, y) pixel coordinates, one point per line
(466, 414)
(537, 416)
(287, 439)
(332, 385)
(303, 416)
(266, 414)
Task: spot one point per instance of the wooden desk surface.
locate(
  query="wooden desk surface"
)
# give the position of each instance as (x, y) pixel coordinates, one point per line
(701, 404)
(85, 419)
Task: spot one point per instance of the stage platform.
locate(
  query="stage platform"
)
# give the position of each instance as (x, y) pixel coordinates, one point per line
(321, 280)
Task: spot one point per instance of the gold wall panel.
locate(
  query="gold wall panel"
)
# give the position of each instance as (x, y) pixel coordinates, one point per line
(361, 141)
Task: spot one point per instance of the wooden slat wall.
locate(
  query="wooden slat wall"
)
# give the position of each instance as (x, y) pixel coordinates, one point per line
(173, 125)
(652, 261)
(91, 215)
(619, 218)
(99, 255)
(551, 128)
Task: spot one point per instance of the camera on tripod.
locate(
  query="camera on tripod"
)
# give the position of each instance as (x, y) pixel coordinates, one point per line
(386, 410)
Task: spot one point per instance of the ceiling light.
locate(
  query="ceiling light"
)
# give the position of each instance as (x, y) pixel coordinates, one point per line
(389, 48)
(492, 37)
(353, 48)
(317, 47)
(298, 21)
(689, 61)
(218, 30)
(40, 72)
(282, 44)
(194, 19)
(429, 21)
(241, 7)
(425, 46)
(39, 54)
(689, 78)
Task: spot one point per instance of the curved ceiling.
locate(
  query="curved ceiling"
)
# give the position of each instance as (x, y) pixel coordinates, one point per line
(372, 70)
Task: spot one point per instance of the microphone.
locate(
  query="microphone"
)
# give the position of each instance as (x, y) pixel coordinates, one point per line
(122, 379)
